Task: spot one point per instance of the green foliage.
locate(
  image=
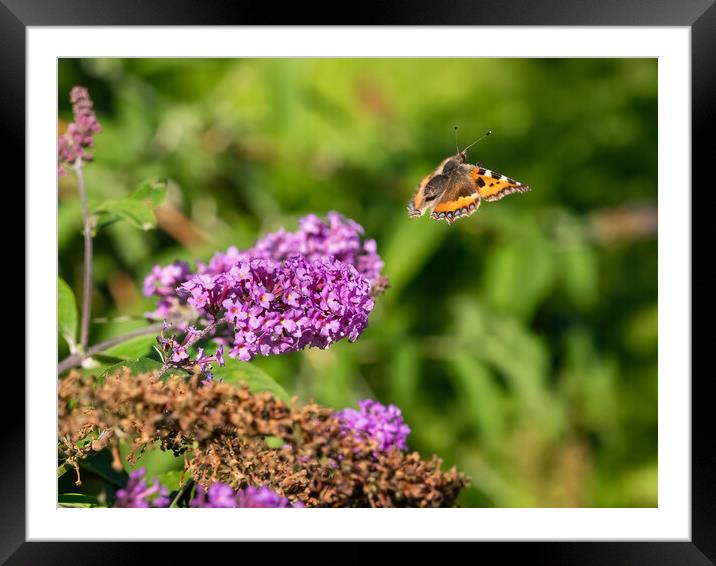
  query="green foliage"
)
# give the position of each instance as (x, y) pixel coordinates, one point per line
(66, 313)
(136, 209)
(172, 479)
(100, 464)
(156, 462)
(151, 192)
(77, 500)
(274, 442)
(134, 348)
(237, 372)
(520, 343)
(136, 366)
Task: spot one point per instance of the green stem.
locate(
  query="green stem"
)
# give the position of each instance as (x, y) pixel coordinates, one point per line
(181, 492)
(75, 360)
(63, 469)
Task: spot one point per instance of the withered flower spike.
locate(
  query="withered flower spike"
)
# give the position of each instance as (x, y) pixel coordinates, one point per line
(221, 431)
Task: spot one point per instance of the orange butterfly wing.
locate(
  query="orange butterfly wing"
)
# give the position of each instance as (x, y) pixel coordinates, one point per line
(494, 186)
(424, 195)
(417, 205)
(460, 199)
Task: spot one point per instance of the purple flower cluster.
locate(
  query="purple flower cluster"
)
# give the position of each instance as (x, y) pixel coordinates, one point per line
(221, 495)
(162, 282)
(337, 237)
(137, 493)
(273, 308)
(377, 422)
(218, 495)
(79, 135)
(308, 288)
(262, 497)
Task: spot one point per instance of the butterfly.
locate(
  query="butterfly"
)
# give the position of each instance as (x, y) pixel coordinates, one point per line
(455, 189)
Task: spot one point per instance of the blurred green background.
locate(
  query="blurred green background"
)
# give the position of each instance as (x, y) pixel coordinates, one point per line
(520, 343)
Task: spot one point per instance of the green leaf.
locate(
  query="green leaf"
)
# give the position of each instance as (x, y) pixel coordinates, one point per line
(66, 313)
(151, 192)
(274, 442)
(154, 460)
(77, 500)
(236, 371)
(136, 209)
(137, 213)
(100, 463)
(134, 348)
(138, 365)
(63, 469)
(172, 480)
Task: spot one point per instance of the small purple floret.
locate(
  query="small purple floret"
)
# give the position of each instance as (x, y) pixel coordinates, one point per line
(138, 494)
(377, 422)
(218, 495)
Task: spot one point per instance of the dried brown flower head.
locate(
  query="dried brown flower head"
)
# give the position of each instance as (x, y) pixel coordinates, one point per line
(223, 432)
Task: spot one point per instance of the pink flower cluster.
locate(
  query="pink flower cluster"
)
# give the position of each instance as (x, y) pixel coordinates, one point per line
(292, 290)
(163, 282)
(375, 421)
(335, 237)
(138, 493)
(273, 308)
(221, 495)
(80, 133)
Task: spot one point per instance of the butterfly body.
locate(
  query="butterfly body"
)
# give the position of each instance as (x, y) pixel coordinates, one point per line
(455, 189)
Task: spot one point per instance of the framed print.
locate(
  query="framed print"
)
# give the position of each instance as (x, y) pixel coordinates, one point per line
(283, 271)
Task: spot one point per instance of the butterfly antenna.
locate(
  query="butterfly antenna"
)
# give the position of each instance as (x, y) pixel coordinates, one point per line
(457, 147)
(482, 137)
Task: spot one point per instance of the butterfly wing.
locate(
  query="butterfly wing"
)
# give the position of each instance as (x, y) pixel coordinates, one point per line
(417, 204)
(430, 190)
(494, 186)
(460, 199)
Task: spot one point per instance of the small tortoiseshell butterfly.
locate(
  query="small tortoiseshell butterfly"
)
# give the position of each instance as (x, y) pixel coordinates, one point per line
(456, 189)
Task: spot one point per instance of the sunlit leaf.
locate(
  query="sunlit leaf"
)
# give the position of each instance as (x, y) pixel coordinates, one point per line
(154, 461)
(151, 192)
(77, 500)
(133, 348)
(137, 213)
(235, 372)
(172, 479)
(66, 313)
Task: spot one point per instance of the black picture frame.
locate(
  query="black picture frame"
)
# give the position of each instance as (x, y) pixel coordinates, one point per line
(698, 15)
